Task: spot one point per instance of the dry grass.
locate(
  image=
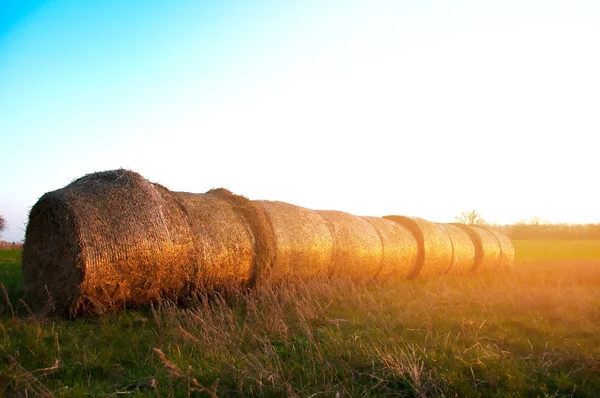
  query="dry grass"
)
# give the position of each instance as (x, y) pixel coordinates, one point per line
(481, 334)
(532, 330)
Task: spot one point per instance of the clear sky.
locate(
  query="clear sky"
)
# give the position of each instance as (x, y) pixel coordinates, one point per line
(421, 107)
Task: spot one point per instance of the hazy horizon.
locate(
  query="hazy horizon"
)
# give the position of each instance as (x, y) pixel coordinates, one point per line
(417, 108)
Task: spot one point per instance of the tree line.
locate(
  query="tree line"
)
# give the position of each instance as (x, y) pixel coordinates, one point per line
(535, 228)
(553, 231)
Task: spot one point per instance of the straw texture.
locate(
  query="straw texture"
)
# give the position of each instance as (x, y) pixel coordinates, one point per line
(113, 239)
(358, 250)
(399, 248)
(463, 250)
(487, 248)
(435, 248)
(106, 240)
(507, 248)
(227, 231)
(303, 242)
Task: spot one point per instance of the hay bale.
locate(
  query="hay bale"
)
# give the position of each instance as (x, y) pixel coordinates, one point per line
(463, 250)
(114, 239)
(358, 249)
(507, 248)
(106, 240)
(488, 254)
(303, 242)
(399, 248)
(263, 236)
(232, 237)
(435, 248)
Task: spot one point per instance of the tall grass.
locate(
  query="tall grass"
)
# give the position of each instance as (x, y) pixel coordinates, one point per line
(533, 331)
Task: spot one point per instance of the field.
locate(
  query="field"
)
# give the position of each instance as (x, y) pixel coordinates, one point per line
(533, 331)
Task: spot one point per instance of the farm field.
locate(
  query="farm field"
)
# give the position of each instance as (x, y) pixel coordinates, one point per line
(532, 331)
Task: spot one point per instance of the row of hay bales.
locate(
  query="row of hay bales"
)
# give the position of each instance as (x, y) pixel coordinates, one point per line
(114, 239)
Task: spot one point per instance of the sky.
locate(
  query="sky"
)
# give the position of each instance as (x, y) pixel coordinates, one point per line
(419, 107)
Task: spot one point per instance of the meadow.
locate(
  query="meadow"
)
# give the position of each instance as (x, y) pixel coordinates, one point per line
(531, 331)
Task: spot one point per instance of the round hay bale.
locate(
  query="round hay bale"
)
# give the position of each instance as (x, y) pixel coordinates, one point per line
(399, 248)
(435, 248)
(488, 254)
(303, 242)
(263, 235)
(106, 240)
(232, 238)
(113, 239)
(507, 248)
(358, 248)
(463, 250)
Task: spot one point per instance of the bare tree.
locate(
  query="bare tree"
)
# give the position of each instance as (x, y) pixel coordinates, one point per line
(470, 218)
(2, 224)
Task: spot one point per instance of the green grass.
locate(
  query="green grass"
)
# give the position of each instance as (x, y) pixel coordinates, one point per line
(534, 331)
(10, 274)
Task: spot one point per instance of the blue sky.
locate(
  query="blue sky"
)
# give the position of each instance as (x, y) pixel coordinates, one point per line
(423, 108)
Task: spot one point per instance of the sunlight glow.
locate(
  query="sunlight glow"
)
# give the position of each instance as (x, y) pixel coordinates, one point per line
(416, 108)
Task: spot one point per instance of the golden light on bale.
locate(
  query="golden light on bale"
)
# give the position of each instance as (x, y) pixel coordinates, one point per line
(232, 236)
(399, 248)
(105, 240)
(463, 250)
(434, 246)
(358, 249)
(113, 239)
(303, 242)
(488, 254)
(507, 248)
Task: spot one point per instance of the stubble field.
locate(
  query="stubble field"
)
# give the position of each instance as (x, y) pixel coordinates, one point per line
(532, 331)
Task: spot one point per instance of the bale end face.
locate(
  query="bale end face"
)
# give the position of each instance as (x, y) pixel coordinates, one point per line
(107, 239)
(52, 283)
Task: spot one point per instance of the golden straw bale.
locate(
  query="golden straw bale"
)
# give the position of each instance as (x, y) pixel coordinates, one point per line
(507, 248)
(106, 240)
(228, 251)
(263, 236)
(357, 246)
(463, 250)
(435, 248)
(487, 248)
(303, 242)
(113, 239)
(399, 248)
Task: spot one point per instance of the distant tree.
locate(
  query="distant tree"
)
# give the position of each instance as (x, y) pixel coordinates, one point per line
(470, 218)
(2, 224)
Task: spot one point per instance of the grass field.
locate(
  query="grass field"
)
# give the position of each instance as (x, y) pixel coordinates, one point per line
(533, 331)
